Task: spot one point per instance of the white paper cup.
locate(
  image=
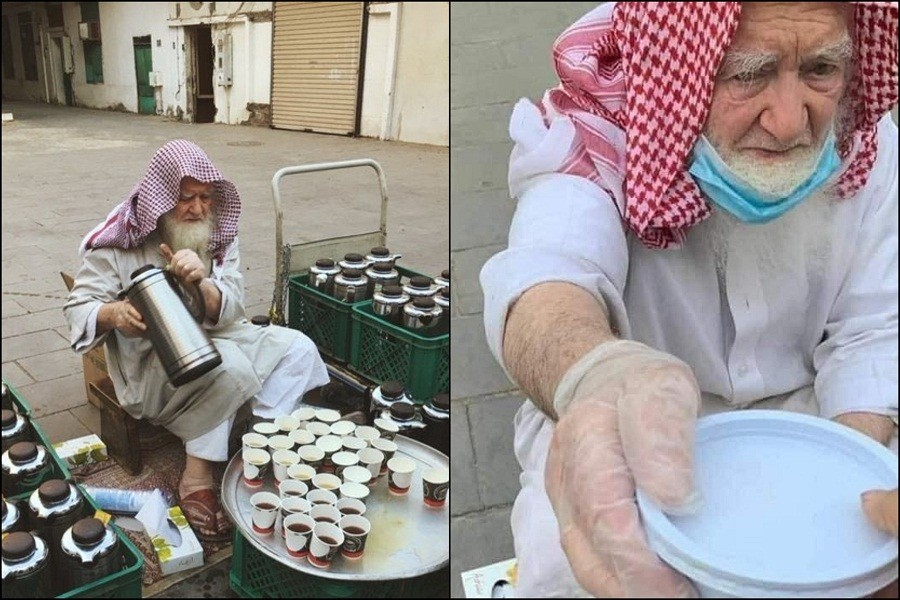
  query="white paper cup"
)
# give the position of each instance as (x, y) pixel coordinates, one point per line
(265, 510)
(302, 437)
(357, 491)
(367, 434)
(304, 415)
(290, 505)
(388, 448)
(255, 440)
(326, 481)
(302, 472)
(329, 444)
(351, 506)
(312, 456)
(371, 459)
(342, 460)
(327, 415)
(297, 533)
(287, 423)
(387, 429)
(325, 513)
(435, 485)
(357, 474)
(292, 488)
(318, 429)
(342, 428)
(356, 529)
(351, 443)
(282, 460)
(266, 428)
(257, 463)
(400, 472)
(279, 442)
(321, 497)
(325, 542)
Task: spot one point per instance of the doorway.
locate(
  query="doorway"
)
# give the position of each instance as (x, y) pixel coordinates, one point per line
(143, 65)
(203, 63)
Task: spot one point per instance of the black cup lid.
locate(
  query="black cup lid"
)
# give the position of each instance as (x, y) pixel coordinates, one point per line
(53, 491)
(18, 545)
(392, 290)
(446, 274)
(325, 263)
(262, 320)
(383, 267)
(88, 531)
(420, 281)
(445, 293)
(391, 389)
(143, 269)
(442, 401)
(352, 273)
(22, 452)
(9, 418)
(354, 257)
(423, 302)
(402, 410)
(380, 251)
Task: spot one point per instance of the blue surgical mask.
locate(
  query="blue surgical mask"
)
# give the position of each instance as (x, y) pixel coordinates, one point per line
(732, 193)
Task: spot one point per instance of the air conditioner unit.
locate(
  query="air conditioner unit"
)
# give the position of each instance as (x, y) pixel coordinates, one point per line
(89, 30)
(193, 10)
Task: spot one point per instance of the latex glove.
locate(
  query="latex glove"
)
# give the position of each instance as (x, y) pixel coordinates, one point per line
(627, 416)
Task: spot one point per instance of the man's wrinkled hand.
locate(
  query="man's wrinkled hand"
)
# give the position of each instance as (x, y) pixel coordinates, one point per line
(184, 264)
(127, 319)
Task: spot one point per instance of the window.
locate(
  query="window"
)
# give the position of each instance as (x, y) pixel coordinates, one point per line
(9, 68)
(26, 38)
(54, 15)
(93, 61)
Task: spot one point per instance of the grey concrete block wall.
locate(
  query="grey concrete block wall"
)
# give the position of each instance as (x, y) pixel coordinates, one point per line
(499, 52)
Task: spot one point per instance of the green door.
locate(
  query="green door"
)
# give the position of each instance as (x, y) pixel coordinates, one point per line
(143, 64)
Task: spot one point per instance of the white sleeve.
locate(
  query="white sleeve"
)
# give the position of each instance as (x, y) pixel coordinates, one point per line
(565, 229)
(227, 277)
(856, 364)
(96, 283)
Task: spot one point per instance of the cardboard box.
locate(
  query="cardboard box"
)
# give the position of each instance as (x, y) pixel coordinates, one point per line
(187, 555)
(94, 361)
(492, 581)
(81, 451)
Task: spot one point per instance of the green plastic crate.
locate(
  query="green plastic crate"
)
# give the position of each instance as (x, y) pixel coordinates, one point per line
(382, 351)
(17, 399)
(124, 584)
(255, 575)
(325, 319)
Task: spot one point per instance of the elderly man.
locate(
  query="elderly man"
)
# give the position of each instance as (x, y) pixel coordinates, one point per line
(706, 220)
(185, 214)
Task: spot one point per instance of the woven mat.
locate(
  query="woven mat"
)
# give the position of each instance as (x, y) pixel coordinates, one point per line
(163, 456)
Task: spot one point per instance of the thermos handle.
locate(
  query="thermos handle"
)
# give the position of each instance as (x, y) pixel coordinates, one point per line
(321, 279)
(199, 313)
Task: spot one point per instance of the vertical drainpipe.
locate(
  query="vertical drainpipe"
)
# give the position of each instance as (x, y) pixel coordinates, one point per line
(391, 79)
(44, 51)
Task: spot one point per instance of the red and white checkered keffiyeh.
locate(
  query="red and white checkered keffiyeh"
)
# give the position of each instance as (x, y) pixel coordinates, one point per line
(637, 82)
(129, 224)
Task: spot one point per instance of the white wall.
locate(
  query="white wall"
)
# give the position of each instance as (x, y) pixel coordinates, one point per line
(375, 83)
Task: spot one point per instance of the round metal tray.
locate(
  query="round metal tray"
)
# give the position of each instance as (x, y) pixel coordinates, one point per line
(407, 538)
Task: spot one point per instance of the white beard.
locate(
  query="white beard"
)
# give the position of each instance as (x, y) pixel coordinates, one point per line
(191, 236)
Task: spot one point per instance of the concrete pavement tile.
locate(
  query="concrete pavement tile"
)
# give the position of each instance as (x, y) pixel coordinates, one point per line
(89, 415)
(466, 267)
(62, 426)
(494, 210)
(41, 302)
(492, 431)
(473, 370)
(478, 540)
(52, 365)
(11, 308)
(33, 322)
(14, 374)
(465, 497)
(49, 397)
(32, 344)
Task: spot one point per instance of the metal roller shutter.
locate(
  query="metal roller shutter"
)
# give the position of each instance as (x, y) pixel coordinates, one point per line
(315, 65)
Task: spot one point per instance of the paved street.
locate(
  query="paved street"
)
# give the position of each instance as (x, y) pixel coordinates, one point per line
(64, 169)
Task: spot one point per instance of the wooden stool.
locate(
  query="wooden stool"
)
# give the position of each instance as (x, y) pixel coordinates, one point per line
(118, 429)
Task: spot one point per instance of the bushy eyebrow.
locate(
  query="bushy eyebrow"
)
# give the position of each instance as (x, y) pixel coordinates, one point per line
(748, 61)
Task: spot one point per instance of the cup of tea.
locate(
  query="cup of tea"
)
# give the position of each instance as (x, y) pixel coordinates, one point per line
(327, 539)
(400, 472)
(356, 530)
(387, 429)
(388, 448)
(265, 510)
(266, 428)
(356, 491)
(329, 444)
(301, 472)
(318, 429)
(325, 513)
(256, 465)
(290, 505)
(435, 485)
(292, 488)
(254, 440)
(279, 442)
(318, 497)
(302, 437)
(312, 456)
(351, 443)
(282, 460)
(371, 459)
(326, 481)
(351, 506)
(304, 415)
(297, 532)
(367, 434)
(357, 474)
(343, 428)
(328, 415)
(342, 460)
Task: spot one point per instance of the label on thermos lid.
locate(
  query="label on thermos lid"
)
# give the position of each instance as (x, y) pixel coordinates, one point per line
(103, 517)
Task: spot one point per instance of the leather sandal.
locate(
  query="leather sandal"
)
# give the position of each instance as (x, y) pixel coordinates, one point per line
(206, 515)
